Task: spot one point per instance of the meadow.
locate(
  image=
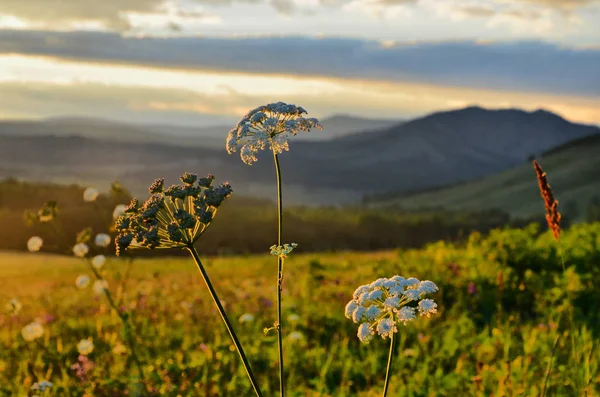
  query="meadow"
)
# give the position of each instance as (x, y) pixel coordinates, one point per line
(502, 327)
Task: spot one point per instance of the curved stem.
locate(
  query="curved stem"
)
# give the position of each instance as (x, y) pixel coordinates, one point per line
(234, 338)
(389, 365)
(279, 275)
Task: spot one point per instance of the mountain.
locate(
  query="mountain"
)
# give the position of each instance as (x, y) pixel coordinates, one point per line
(439, 149)
(572, 170)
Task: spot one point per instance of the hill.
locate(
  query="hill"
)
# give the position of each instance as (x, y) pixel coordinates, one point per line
(436, 150)
(572, 172)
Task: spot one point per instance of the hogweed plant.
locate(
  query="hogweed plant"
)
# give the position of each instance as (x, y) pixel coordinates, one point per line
(271, 126)
(176, 217)
(48, 214)
(379, 307)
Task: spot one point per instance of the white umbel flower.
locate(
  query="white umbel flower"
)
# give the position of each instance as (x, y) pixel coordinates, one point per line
(81, 249)
(90, 194)
(98, 261)
(32, 331)
(119, 210)
(34, 244)
(381, 305)
(246, 318)
(82, 281)
(269, 125)
(85, 347)
(102, 240)
(100, 286)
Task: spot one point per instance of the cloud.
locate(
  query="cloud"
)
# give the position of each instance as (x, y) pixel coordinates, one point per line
(523, 66)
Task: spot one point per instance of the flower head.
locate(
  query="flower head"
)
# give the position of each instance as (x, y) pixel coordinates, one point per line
(34, 244)
(100, 286)
(268, 125)
(90, 194)
(102, 240)
(82, 281)
(119, 210)
(282, 251)
(379, 307)
(80, 249)
(246, 318)
(41, 386)
(98, 261)
(171, 217)
(85, 347)
(32, 331)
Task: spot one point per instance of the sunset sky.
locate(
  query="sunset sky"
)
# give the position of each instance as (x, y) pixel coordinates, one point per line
(209, 61)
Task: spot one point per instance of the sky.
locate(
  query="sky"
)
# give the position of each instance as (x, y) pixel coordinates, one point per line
(201, 62)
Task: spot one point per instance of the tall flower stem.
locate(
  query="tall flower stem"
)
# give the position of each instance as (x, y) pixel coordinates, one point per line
(279, 274)
(234, 338)
(389, 365)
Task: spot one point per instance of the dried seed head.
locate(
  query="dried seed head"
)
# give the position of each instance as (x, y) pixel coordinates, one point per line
(552, 215)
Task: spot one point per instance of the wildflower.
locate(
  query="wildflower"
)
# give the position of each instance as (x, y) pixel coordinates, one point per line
(100, 286)
(378, 307)
(102, 240)
(90, 194)
(13, 306)
(82, 367)
(171, 217)
(41, 386)
(246, 318)
(119, 210)
(34, 244)
(82, 281)
(282, 250)
(472, 288)
(293, 318)
(553, 217)
(32, 331)
(269, 125)
(85, 347)
(81, 249)
(98, 261)
(295, 336)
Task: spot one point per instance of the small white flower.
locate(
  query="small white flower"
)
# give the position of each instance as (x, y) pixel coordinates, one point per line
(90, 194)
(85, 347)
(350, 307)
(427, 307)
(293, 318)
(358, 313)
(428, 287)
(412, 294)
(119, 210)
(246, 318)
(102, 240)
(375, 295)
(98, 261)
(372, 313)
(378, 283)
(100, 286)
(295, 336)
(360, 290)
(386, 327)
(41, 386)
(82, 281)
(406, 314)
(391, 303)
(282, 250)
(32, 331)
(365, 333)
(14, 306)
(81, 249)
(34, 244)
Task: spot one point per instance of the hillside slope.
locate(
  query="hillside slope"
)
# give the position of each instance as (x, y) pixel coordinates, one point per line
(573, 173)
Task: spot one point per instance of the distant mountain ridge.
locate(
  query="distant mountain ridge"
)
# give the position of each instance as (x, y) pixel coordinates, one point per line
(435, 150)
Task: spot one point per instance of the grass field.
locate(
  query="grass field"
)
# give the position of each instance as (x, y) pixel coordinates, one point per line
(502, 305)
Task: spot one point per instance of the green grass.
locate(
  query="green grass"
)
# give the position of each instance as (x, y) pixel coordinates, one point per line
(495, 342)
(572, 172)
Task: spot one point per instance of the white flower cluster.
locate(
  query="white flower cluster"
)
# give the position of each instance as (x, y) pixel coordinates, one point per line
(282, 250)
(85, 347)
(378, 307)
(32, 331)
(270, 125)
